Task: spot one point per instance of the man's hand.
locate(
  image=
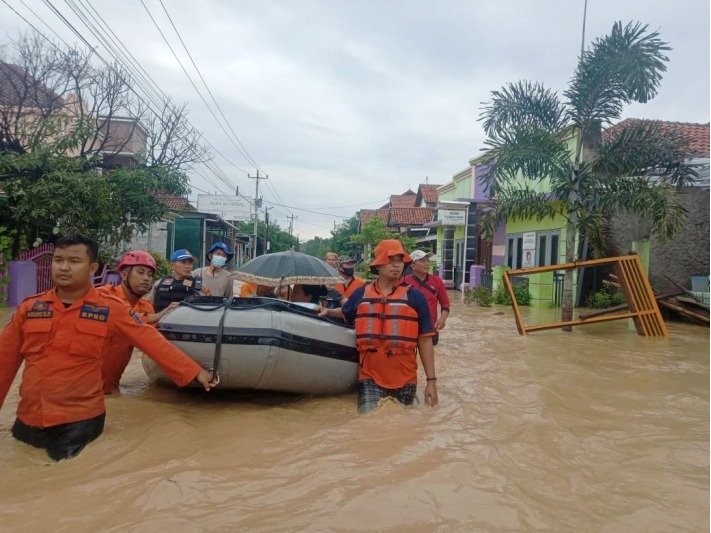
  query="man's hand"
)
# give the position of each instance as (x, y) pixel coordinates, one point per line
(171, 306)
(322, 311)
(441, 321)
(431, 397)
(204, 378)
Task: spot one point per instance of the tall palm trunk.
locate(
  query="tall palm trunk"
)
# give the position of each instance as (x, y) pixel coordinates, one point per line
(570, 233)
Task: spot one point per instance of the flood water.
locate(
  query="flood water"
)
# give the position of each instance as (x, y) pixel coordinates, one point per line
(598, 429)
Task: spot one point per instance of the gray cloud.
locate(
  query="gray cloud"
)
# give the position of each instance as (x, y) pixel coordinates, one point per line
(345, 103)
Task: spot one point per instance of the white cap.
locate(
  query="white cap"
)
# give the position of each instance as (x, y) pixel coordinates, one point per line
(419, 254)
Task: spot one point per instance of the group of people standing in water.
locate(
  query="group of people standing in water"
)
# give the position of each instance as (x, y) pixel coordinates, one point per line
(76, 340)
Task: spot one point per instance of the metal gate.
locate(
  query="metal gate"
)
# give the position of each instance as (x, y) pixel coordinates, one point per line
(42, 256)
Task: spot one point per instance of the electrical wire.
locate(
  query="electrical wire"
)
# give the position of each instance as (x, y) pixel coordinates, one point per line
(247, 154)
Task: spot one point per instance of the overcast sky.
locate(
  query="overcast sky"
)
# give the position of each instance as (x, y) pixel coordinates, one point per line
(343, 103)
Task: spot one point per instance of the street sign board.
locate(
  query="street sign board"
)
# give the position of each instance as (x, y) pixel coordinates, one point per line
(452, 217)
(231, 208)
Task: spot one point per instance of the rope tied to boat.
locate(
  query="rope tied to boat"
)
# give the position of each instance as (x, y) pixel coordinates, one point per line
(218, 341)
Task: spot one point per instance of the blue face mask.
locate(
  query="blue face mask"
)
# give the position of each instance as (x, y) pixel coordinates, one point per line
(218, 261)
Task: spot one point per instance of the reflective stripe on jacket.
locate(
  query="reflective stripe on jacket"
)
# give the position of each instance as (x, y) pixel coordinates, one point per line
(387, 329)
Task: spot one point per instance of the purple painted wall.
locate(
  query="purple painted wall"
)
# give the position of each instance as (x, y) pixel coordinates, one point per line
(480, 190)
(498, 246)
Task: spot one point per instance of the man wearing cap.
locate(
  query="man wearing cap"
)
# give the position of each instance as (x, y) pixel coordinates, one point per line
(214, 276)
(392, 323)
(346, 268)
(179, 285)
(431, 286)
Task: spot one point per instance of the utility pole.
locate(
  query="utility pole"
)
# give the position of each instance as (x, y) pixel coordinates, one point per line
(266, 229)
(257, 205)
(291, 228)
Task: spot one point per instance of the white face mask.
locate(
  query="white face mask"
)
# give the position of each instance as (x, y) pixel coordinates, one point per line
(218, 261)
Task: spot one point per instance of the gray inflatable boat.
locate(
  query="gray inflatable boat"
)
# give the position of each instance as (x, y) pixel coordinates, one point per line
(263, 344)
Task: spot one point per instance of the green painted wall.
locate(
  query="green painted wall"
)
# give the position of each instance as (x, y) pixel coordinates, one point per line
(558, 222)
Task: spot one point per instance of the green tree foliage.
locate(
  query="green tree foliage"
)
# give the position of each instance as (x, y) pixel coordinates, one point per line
(532, 133)
(340, 241)
(318, 246)
(375, 231)
(341, 238)
(48, 192)
(280, 240)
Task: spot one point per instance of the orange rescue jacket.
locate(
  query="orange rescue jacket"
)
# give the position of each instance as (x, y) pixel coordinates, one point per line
(62, 349)
(117, 352)
(387, 329)
(347, 289)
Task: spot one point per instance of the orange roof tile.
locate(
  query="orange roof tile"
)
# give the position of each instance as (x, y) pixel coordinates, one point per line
(406, 199)
(176, 203)
(368, 214)
(697, 134)
(409, 216)
(428, 192)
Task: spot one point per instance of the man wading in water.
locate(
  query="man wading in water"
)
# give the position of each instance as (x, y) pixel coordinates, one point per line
(431, 287)
(392, 323)
(60, 335)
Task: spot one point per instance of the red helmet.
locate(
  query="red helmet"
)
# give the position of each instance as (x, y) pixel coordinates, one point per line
(137, 258)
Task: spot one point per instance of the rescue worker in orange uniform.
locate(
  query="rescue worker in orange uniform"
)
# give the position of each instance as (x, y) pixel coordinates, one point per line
(392, 323)
(60, 336)
(346, 267)
(137, 270)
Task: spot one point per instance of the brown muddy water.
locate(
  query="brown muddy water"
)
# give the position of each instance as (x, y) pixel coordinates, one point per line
(596, 430)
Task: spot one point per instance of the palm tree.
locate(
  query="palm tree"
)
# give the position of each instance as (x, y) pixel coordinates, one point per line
(568, 166)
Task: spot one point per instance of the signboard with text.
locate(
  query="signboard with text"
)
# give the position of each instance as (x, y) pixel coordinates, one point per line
(529, 249)
(452, 217)
(228, 207)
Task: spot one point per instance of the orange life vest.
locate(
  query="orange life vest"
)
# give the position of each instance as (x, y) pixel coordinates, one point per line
(386, 324)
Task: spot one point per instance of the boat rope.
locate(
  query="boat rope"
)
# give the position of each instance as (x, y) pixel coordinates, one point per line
(218, 341)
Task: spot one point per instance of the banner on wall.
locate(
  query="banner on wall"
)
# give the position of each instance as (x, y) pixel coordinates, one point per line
(529, 249)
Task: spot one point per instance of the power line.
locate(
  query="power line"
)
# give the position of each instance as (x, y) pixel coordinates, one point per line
(270, 186)
(126, 63)
(219, 109)
(190, 79)
(307, 210)
(163, 98)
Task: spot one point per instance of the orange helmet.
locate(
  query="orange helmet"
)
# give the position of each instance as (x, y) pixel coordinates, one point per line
(387, 249)
(137, 258)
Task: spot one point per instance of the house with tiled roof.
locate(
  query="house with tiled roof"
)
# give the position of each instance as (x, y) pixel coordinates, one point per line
(426, 195)
(687, 253)
(401, 215)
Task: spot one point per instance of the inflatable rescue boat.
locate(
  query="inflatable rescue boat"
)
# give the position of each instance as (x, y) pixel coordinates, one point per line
(263, 344)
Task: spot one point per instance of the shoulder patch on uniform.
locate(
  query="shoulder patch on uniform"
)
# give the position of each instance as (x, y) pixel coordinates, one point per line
(136, 318)
(97, 313)
(167, 281)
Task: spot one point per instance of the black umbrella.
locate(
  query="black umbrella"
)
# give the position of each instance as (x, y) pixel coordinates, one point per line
(286, 268)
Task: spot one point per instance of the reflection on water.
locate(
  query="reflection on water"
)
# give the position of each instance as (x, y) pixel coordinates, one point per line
(595, 429)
